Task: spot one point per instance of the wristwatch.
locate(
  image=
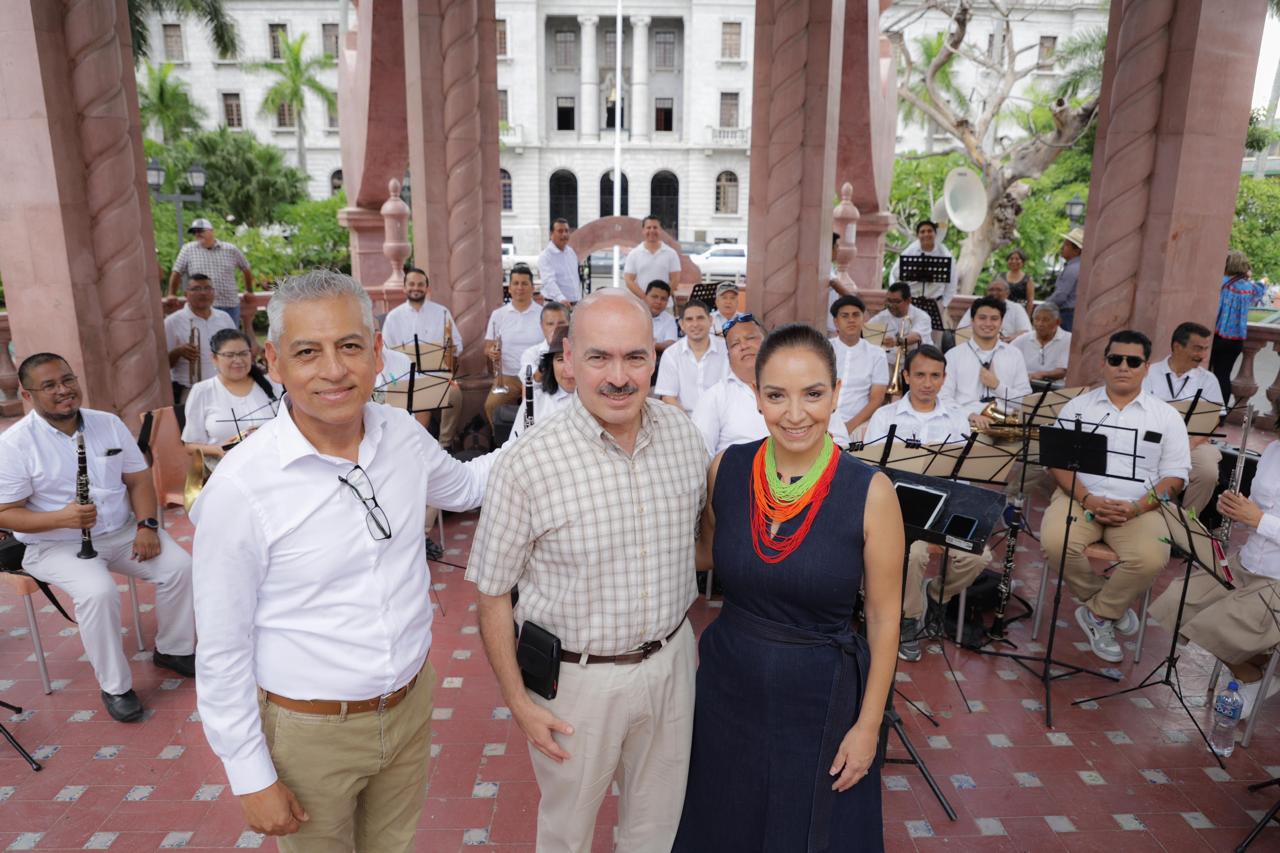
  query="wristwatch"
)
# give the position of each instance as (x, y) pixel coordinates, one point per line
(149, 523)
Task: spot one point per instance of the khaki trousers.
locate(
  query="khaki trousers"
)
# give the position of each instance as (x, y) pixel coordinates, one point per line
(1234, 625)
(1203, 478)
(362, 778)
(633, 722)
(962, 570)
(514, 396)
(450, 416)
(1137, 543)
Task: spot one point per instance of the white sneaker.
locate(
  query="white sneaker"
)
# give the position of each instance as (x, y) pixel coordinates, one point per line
(1249, 694)
(1102, 638)
(1127, 624)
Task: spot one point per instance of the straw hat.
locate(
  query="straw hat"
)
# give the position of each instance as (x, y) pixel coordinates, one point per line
(1075, 236)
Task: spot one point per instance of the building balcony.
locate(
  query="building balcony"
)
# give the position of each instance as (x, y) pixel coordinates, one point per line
(729, 137)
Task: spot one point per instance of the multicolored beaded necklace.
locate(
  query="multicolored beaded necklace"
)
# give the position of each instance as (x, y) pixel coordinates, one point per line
(775, 502)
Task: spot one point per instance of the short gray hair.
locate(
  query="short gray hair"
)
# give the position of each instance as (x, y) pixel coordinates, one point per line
(317, 284)
(1048, 308)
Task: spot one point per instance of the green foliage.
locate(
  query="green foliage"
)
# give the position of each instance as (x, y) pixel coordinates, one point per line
(295, 76)
(1257, 223)
(166, 103)
(1080, 62)
(222, 30)
(909, 199)
(927, 49)
(1259, 137)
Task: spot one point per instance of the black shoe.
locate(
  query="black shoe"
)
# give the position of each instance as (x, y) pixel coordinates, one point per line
(434, 551)
(909, 641)
(184, 665)
(124, 708)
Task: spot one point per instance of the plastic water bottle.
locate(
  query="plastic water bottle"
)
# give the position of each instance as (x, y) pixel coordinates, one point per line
(1227, 707)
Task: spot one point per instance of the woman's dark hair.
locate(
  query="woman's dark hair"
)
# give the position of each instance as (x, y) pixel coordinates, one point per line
(224, 336)
(1017, 252)
(797, 336)
(1130, 336)
(547, 368)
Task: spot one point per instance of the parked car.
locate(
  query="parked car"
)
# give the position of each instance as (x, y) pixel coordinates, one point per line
(510, 259)
(724, 260)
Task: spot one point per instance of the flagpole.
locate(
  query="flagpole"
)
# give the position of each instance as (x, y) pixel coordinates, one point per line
(617, 135)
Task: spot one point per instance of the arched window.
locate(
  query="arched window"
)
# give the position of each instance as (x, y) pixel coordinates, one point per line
(726, 193)
(564, 197)
(335, 182)
(664, 201)
(606, 195)
(504, 180)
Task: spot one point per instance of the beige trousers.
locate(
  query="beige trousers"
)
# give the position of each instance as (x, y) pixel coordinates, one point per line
(1137, 543)
(962, 570)
(1234, 625)
(362, 778)
(450, 417)
(632, 722)
(1204, 477)
(514, 395)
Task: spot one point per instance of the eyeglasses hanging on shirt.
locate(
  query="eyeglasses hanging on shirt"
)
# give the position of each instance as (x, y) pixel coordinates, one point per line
(375, 519)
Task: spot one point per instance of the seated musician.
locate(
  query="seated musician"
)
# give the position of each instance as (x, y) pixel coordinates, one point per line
(727, 412)
(419, 315)
(1179, 377)
(1238, 626)
(861, 366)
(727, 299)
(1045, 353)
(1114, 508)
(38, 502)
(1014, 325)
(922, 416)
(899, 316)
(932, 297)
(984, 369)
(554, 391)
(555, 315)
(695, 363)
(228, 406)
(658, 297)
(512, 329)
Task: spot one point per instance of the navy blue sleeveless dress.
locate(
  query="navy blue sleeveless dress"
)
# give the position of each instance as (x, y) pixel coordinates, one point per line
(781, 678)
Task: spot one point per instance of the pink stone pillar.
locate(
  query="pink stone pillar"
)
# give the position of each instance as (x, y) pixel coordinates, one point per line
(80, 276)
(798, 45)
(452, 76)
(1175, 104)
(844, 220)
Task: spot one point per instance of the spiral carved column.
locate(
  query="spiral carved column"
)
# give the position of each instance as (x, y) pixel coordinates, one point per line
(794, 110)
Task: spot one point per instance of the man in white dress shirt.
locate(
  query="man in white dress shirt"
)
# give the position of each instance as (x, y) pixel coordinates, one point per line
(728, 299)
(38, 468)
(419, 316)
(518, 326)
(657, 295)
(922, 416)
(312, 588)
(984, 369)
(899, 314)
(1179, 377)
(932, 297)
(1014, 324)
(863, 371)
(652, 260)
(695, 363)
(1238, 626)
(197, 315)
(558, 267)
(1115, 509)
(727, 413)
(1046, 352)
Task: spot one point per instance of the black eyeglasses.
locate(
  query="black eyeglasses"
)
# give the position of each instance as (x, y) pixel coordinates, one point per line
(1134, 361)
(375, 519)
(737, 318)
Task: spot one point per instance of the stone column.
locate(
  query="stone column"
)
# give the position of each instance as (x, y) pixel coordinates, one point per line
(794, 115)
(1175, 105)
(452, 84)
(79, 279)
(638, 106)
(590, 73)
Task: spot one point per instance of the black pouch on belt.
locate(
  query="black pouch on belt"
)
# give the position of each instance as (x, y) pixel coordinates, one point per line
(538, 655)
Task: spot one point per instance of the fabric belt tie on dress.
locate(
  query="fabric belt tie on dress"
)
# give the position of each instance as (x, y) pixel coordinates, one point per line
(851, 679)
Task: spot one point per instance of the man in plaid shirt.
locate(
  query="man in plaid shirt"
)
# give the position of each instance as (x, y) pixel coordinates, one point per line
(219, 261)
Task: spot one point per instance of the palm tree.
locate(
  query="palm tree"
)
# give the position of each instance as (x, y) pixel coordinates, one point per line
(221, 28)
(165, 102)
(927, 48)
(296, 75)
(1080, 60)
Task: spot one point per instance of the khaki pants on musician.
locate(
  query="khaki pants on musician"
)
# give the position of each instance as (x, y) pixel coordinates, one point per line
(962, 570)
(362, 778)
(1137, 543)
(450, 416)
(1234, 625)
(633, 722)
(514, 396)
(1204, 477)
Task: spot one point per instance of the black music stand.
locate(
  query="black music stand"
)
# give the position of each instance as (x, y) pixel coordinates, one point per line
(705, 292)
(1188, 540)
(924, 269)
(13, 741)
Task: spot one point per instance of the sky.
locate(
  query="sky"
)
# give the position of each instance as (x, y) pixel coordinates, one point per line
(1267, 62)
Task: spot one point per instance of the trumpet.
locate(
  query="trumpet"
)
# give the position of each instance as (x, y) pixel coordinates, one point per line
(449, 354)
(195, 367)
(900, 360)
(82, 497)
(499, 387)
(528, 396)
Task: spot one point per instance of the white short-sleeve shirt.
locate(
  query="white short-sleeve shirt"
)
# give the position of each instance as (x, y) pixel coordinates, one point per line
(683, 375)
(215, 415)
(1016, 322)
(664, 328)
(963, 389)
(859, 367)
(941, 424)
(649, 266)
(1168, 386)
(727, 414)
(518, 331)
(427, 322)
(1051, 356)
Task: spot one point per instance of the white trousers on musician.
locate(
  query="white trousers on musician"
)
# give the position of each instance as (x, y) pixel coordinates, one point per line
(97, 601)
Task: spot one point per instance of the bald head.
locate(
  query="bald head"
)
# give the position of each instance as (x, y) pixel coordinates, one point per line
(610, 355)
(615, 303)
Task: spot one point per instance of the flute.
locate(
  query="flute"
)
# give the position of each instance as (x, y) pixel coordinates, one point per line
(82, 497)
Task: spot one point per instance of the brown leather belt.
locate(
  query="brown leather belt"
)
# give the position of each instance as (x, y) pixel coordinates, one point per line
(333, 707)
(637, 656)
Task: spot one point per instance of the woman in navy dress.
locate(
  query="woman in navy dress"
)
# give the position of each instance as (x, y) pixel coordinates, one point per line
(789, 697)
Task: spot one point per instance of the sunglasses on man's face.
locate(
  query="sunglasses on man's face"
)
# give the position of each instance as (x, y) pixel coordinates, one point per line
(1134, 361)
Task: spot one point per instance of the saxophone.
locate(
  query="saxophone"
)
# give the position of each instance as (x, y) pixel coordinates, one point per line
(1222, 534)
(528, 397)
(998, 625)
(82, 497)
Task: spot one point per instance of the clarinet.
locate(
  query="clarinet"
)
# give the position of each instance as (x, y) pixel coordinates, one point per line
(1223, 533)
(82, 497)
(528, 397)
(997, 631)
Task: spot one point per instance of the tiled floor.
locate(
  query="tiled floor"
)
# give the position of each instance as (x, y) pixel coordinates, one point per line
(1125, 774)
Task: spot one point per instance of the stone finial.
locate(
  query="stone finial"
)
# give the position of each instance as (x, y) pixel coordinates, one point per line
(395, 245)
(845, 217)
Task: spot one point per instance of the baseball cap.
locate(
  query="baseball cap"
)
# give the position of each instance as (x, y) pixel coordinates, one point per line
(726, 287)
(200, 225)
